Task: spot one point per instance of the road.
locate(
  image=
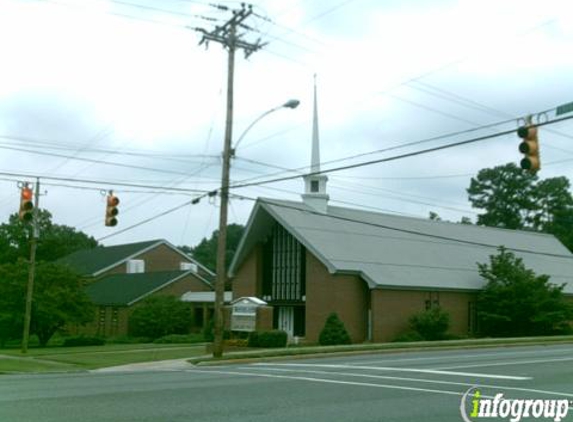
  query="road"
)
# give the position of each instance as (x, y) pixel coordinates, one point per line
(414, 386)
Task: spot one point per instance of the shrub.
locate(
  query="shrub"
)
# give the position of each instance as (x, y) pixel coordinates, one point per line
(274, 338)
(408, 336)
(128, 340)
(159, 316)
(333, 332)
(237, 342)
(83, 341)
(179, 338)
(431, 324)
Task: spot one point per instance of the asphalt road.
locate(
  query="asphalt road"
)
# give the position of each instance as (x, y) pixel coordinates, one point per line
(420, 386)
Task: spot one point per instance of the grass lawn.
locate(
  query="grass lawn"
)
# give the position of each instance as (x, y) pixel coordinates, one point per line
(92, 357)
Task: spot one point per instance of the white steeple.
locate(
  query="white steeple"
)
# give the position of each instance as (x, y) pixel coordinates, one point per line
(315, 183)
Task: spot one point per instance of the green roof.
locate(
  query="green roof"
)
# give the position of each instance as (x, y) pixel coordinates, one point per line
(123, 289)
(90, 261)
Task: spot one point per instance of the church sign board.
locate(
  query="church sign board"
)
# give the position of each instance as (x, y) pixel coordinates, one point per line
(244, 313)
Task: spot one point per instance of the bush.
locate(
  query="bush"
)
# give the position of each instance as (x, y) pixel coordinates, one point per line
(431, 324)
(83, 341)
(333, 332)
(128, 340)
(179, 338)
(274, 338)
(159, 316)
(409, 336)
(237, 342)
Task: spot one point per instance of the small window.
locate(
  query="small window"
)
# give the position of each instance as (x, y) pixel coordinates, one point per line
(135, 266)
(314, 186)
(186, 266)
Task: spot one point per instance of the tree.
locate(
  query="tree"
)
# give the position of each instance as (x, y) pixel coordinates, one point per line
(206, 251)
(434, 216)
(159, 316)
(55, 241)
(514, 199)
(334, 332)
(59, 298)
(12, 301)
(517, 302)
(506, 194)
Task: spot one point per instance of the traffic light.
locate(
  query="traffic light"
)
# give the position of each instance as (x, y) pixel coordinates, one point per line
(111, 210)
(530, 148)
(26, 205)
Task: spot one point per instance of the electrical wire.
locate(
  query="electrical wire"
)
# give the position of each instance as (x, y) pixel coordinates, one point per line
(397, 157)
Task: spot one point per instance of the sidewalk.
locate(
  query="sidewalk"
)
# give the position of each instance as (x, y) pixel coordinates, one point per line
(160, 365)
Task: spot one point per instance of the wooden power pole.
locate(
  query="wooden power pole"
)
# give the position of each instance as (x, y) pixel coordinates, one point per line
(35, 233)
(227, 36)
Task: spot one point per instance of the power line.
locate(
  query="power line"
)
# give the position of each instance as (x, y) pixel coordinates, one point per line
(102, 182)
(91, 160)
(397, 157)
(399, 146)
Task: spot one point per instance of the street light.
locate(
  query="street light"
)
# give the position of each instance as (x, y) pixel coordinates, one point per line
(288, 104)
(221, 270)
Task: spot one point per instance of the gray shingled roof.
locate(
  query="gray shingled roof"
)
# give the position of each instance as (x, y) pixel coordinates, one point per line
(386, 257)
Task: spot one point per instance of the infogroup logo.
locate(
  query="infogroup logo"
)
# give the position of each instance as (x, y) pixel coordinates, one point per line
(512, 409)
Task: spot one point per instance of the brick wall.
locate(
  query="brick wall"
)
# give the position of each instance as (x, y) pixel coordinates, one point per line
(347, 295)
(391, 310)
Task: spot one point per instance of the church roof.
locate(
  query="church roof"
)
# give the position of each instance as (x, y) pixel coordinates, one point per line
(403, 252)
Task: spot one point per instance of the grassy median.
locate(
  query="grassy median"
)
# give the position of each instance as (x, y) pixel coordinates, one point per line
(58, 359)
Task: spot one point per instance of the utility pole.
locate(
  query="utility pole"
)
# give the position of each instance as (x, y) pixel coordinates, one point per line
(227, 36)
(32, 267)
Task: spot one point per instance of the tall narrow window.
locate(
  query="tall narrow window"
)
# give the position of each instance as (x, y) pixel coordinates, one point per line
(283, 267)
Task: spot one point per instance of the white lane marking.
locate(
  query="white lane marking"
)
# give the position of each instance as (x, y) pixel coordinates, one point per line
(421, 380)
(329, 381)
(463, 357)
(392, 368)
(522, 362)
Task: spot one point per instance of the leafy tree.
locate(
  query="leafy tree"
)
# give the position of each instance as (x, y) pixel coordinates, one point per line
(506, 194)
(334, 332)
(514, 199)
(159, 316)
(465, 220)
(517, 302)
(59, 299)
(206, 251)
(431, 324)
(55, 241)
(12, 301)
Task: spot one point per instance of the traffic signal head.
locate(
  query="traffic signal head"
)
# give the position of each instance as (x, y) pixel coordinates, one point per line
(26, 204)
(111, 210)
(530, 148)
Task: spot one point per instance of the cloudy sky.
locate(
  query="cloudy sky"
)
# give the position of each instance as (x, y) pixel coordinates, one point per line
(121, 92)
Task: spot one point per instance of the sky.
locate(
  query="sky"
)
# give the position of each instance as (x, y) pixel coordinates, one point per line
(120, 92)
